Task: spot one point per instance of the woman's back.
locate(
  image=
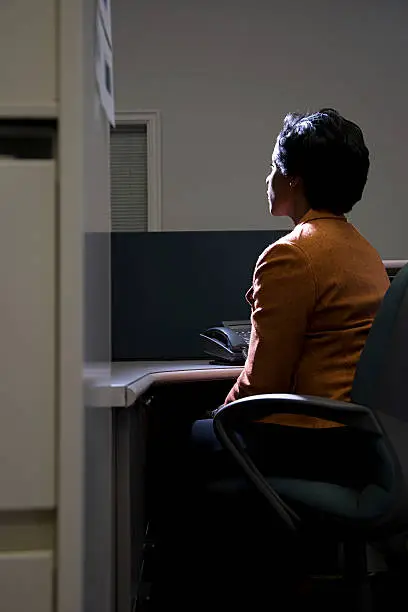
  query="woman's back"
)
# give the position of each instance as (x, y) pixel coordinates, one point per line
(350, 282)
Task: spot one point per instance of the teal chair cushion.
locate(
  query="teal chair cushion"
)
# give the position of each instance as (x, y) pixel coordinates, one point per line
(333, 499)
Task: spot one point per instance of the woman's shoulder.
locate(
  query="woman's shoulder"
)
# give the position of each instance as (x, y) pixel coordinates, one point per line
(288, 247)
(314, 234)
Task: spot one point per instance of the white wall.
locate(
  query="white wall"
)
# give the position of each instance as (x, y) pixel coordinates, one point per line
(99, 502)
(223, 73)
(85, 523)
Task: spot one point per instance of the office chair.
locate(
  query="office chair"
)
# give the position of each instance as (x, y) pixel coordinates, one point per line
(379, 411)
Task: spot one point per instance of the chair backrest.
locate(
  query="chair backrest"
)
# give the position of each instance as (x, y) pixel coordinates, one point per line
(381, 379)
(381, 383)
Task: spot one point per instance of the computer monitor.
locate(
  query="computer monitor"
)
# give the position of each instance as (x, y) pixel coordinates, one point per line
(393, 266)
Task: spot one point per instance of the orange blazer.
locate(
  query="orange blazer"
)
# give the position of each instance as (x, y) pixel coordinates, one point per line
(314, 296)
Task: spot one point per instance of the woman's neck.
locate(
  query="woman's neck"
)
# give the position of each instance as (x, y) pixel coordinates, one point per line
(301, 208)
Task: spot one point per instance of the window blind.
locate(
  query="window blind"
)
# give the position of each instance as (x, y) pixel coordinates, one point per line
(128, 167)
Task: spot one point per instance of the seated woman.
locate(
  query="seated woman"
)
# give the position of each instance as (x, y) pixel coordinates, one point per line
(315, 292)
(314, 296)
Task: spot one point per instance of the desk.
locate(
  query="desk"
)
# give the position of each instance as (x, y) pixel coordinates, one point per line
(130, 393)
(129, 380)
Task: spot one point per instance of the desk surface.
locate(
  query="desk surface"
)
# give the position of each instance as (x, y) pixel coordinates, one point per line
(129, 380)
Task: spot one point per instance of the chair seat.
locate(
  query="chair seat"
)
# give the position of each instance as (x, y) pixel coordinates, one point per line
(331, 499)
(335, 500)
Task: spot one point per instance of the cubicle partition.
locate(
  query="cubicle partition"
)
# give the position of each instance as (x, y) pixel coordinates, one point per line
(169, 286)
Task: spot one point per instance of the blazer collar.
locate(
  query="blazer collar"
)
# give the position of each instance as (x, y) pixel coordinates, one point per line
(312, 215)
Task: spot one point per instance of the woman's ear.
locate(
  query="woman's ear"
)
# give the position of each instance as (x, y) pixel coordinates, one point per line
(294, 182)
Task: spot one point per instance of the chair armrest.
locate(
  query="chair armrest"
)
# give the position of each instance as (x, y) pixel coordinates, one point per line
(256, 407)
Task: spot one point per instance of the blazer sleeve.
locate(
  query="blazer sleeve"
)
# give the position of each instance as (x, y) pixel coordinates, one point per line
(283, 298)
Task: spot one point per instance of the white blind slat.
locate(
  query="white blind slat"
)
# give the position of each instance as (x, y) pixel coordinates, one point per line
(128, 167)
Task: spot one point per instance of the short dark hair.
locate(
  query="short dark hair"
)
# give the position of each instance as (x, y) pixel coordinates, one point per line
(329, 154)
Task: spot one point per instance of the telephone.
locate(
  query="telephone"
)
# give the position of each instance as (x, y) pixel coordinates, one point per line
(227, 343)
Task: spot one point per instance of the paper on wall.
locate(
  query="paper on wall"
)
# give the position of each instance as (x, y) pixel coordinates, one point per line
(104, 71)
(104, 7)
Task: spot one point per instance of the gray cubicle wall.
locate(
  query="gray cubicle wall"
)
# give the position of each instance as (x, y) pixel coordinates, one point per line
(169, 286)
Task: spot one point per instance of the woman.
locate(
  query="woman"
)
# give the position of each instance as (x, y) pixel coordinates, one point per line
(314, 296)
(315, 292)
